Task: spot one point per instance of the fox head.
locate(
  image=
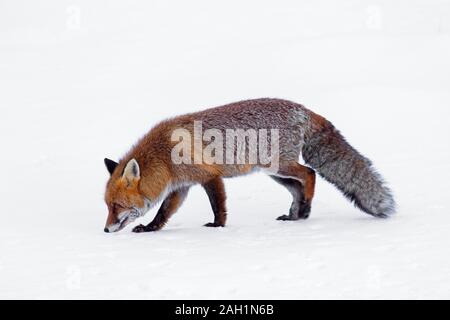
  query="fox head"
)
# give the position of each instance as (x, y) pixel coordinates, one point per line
(124, 200)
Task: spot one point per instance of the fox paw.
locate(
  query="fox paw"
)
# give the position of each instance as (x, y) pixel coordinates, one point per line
(213, 224)
(304, 215)
(285, 217)
(141, 228)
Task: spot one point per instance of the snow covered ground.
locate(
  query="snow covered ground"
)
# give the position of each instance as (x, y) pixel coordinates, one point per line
(81, 80)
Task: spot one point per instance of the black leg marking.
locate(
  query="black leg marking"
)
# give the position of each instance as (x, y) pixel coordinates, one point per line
(216, 194)
(300, 209)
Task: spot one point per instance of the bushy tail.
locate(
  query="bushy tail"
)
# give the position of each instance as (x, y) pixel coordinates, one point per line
(327, 151)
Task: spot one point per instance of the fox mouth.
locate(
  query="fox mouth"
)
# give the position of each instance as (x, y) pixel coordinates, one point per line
(119, 225)
(127, 217)
(123, 222)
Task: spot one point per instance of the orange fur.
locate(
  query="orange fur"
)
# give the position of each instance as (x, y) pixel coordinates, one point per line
(158, 174)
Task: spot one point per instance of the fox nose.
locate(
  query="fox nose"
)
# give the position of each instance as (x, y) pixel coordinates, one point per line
(106, 230)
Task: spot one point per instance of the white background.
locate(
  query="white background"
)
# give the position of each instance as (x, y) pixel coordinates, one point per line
(81, 80)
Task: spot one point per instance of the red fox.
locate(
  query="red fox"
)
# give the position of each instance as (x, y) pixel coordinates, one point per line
(148, 173)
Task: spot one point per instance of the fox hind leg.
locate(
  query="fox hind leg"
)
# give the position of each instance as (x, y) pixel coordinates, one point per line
(216, 193)
(299, 208)
(169, 206)
(300, 181)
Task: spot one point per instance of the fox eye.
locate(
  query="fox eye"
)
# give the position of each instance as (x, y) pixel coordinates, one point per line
(117, 207)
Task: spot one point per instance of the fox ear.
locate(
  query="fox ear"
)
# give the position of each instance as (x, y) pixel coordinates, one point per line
(110, 165)
(132, 170)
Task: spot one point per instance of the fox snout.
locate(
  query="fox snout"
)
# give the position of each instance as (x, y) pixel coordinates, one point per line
(112, 228)
(114, 224)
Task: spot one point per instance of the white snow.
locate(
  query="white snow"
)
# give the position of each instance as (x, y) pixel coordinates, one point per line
(81, 80)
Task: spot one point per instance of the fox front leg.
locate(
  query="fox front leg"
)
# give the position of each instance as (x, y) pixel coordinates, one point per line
(216, 194)
(169, 206)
